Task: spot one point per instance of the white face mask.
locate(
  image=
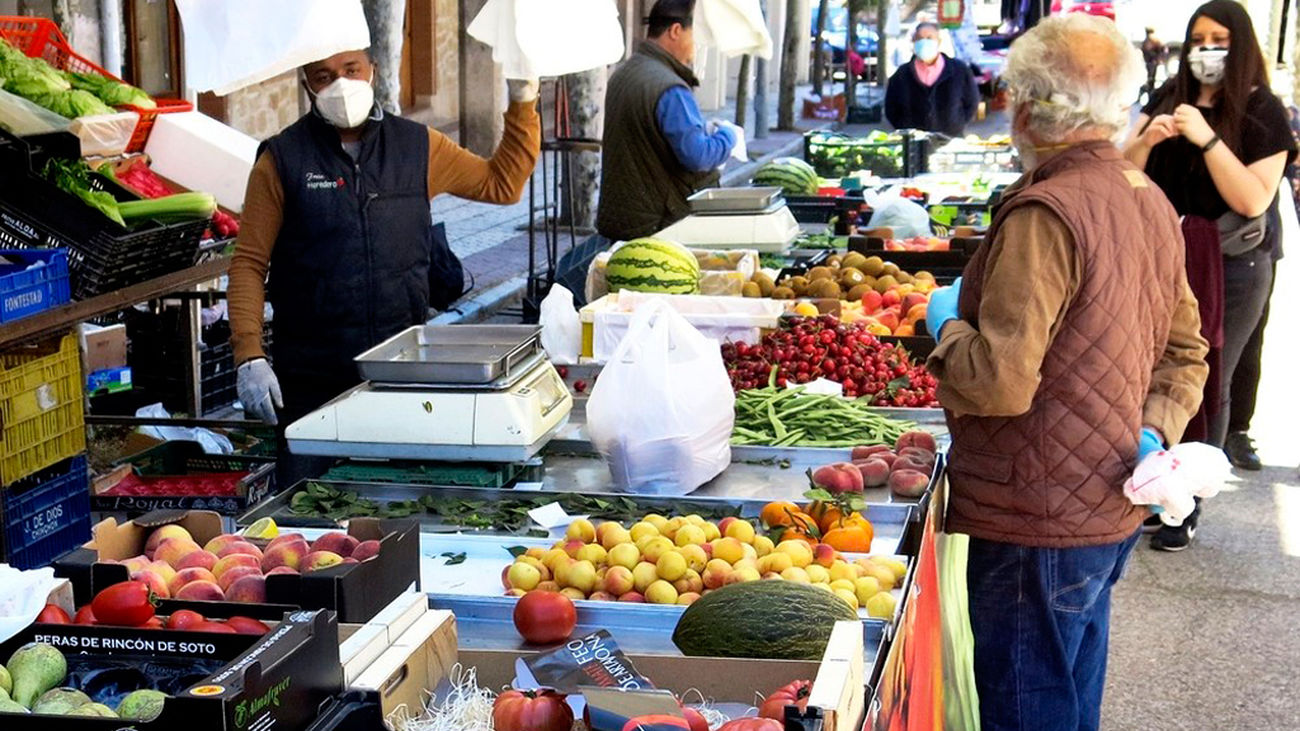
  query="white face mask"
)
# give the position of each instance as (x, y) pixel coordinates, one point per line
(1208, 64)
(927, 49)
(346, 103)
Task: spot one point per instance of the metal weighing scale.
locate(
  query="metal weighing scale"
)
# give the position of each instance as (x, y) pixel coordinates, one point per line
(463, 393)
(736, 218)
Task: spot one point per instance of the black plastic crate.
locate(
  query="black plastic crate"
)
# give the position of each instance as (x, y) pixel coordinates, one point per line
(833, 155)
(102, 255)
(45, 515)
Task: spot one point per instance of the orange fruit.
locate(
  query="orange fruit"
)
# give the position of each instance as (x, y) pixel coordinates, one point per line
(779, 513)
(850, 539)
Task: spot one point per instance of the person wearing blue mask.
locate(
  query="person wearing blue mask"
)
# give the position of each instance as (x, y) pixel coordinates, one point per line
(935, 92)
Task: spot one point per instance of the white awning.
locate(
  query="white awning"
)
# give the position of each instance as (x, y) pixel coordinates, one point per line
(532, 39)
(734, 27)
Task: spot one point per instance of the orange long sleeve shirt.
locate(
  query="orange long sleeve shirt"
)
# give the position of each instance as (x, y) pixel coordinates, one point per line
(452, 169)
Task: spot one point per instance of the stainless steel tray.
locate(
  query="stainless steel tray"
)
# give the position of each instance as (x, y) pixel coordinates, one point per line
(890, 520)
(477, 354)
(723, 201)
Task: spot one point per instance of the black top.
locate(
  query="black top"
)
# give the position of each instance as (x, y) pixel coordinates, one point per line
(947, 106)
(1178, 166)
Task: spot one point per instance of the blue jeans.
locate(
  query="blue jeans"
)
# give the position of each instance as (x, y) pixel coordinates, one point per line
(1041, 620)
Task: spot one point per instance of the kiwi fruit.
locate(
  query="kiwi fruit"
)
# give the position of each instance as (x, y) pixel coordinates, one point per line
(923, 275)
(904, 278)
(825, 289)
(873, 266)
(834, 261)
(856, 293)
(850, 278)
(853, 259)
(885, 283)
(765, 284)
(820, 273)
(751, 289)
(782, 293)
(890, 268)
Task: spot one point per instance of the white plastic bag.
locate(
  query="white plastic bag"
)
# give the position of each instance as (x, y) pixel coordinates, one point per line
(22, 597)
(662, 410)
(1169, 479)
(561, 328)
(890, 210)
(535, 39)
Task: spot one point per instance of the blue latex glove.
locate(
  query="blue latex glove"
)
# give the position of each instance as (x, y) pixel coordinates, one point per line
(1149, 443)
(942, 308)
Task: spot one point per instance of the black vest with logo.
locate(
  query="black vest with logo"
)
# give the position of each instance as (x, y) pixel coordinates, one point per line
(350, 266)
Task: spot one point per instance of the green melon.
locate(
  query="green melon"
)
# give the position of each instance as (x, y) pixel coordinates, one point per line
(653, 265)
(780, 620)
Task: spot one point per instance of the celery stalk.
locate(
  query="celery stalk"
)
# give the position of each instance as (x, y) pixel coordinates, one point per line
(177, 207)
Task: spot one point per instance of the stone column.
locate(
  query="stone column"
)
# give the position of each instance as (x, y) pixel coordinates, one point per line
(386, 19)
(482, 95)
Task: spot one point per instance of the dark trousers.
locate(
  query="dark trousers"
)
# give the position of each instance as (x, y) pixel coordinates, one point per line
(1247, 282)
(1245, 379)
(303, 394)
(1041, 620)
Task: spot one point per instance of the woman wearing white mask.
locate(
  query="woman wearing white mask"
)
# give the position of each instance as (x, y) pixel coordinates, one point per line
(1216, 140)
(935, 92)
(337, 211)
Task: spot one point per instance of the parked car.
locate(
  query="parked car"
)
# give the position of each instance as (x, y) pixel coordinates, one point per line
(1102, 9)
(837, 32)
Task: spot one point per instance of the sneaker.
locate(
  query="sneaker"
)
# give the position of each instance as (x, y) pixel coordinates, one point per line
(1152, 524)
(1240, 449)
(1176, 538)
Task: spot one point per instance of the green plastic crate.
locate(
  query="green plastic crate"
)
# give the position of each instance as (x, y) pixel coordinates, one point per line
(419, 473)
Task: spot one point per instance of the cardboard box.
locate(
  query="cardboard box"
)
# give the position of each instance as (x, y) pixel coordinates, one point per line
(279, 680)
(357, 592)
(839, 686)
(105, 347)
(417, 662)
(109, 380)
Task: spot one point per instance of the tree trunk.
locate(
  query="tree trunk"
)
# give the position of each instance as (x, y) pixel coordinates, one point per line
(386, 19)
(789, 66)
(742, 90)
(819, 49)
(851, 44)
(587, 115)
(760, 88)
(882, 47)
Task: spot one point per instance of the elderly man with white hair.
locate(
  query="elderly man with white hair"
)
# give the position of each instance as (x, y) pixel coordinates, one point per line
(1069, 350)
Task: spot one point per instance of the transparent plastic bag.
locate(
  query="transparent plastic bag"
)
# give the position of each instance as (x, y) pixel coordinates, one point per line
(905, 217)
(662, 410)
(561, 328)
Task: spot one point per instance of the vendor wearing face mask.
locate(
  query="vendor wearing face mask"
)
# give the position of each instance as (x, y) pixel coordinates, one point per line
(935, 92)
(337, 210)
(1216, 140)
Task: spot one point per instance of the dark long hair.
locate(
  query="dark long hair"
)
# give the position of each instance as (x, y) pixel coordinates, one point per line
(1245, 71)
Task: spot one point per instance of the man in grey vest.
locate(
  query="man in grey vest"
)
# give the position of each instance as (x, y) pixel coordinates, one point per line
(657, 150)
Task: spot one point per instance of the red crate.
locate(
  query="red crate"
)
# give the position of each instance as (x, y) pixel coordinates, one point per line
(41, 37)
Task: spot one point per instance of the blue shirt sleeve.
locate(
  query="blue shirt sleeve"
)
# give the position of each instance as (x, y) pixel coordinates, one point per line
(679, 121)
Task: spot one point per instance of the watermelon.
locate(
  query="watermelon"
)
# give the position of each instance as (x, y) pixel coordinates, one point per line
(653, 265)
(791, 174)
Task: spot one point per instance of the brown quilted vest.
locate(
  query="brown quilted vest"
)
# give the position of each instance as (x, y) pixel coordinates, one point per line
(1053, 476)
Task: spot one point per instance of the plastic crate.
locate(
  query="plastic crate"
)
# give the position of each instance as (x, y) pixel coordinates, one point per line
(41, 406)
(102, 255)
(186, 457)
(27, 290)
(418, 473)
(834, 155)
(45, 515)
(41, 37)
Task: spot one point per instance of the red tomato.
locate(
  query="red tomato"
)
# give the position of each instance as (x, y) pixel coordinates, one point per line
(247, 626)
(531, 711)
(128, 604)
(53, 614)
(545, 617)
(695, 719)
(213, 627)
(793, 694)
(85, 615)
(184, 619)
(752, 724)
(154, 622)
(655, 722)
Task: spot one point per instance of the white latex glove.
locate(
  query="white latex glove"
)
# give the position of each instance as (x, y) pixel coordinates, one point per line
(522, 90)
(259, 390)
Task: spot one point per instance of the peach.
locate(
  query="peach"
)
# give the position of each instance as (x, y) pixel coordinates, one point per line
(172, 550)
(824, 555)
(155, 582)
(237, 547)
(908, 483)
(235, 559)
(216, 544)
(875, 472)
(248, 589)
(200, 559)
(285, 554)
(868, 452)
(135, 563)
(187, 576)
(633, 596)
(282, 570)
(162, 534)
(722, 524)
(619, 580)
(317, 560)
(924, 440)
(367, 550)
(335, 542)
(914, 299)
(572, 546)
(163, 569)
(200, 591)
(903, 464)
(871, 301)
(886, 457)
(550, 586)
(916, 454)
(349, 561)
(601, 596)
(838, 478)
(235, 573)
(285, 538)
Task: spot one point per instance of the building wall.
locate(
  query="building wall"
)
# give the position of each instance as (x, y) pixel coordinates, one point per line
(444, 105)
(262, 110)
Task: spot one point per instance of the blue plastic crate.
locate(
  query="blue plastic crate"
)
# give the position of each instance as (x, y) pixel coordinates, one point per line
(25, 289)
(45, 515)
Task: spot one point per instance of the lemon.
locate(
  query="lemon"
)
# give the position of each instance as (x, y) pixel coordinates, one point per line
(264, 529)
(806, 309)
